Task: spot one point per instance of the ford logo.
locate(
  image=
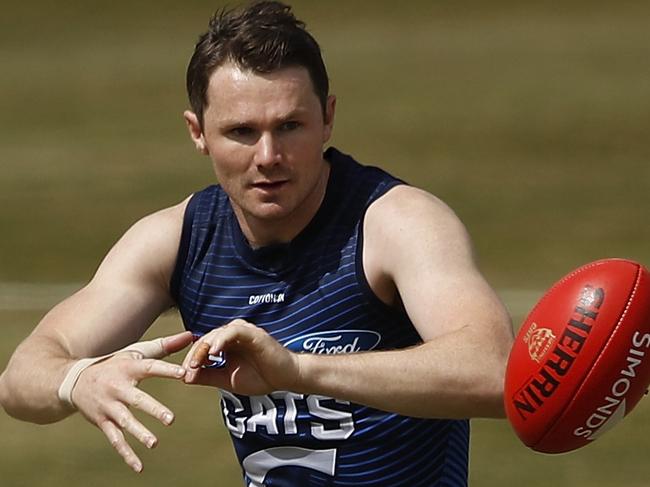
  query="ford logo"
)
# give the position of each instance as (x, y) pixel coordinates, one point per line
(335, 341)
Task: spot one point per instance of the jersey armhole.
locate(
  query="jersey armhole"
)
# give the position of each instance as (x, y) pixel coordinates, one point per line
(360, 273)
(183, 248)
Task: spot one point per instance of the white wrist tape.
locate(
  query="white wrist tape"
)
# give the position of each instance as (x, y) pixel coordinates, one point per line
(148, 349)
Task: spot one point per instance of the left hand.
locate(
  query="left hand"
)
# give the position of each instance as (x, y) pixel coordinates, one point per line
(256, 362)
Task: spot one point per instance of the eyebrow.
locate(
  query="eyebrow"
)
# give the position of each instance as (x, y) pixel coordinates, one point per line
(241, 122)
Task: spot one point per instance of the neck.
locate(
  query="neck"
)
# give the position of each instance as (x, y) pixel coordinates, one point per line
(261, 232)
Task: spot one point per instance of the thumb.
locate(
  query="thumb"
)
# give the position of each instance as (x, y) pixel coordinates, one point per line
(174, 343)
(160, 347)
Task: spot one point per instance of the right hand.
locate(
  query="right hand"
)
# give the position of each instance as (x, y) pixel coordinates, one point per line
(105, 392)
(256, 363)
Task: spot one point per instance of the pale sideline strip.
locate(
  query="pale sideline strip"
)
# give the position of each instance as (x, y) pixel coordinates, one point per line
(148, 349)
(23, 296)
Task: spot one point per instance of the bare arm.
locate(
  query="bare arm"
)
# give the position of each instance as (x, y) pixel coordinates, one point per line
(418, 252)
(129, 290)
(419, 245)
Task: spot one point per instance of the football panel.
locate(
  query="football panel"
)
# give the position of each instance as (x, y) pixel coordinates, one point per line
(617, 381)
(576, 316)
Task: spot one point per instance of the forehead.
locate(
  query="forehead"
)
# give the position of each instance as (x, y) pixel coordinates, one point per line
(243, 93)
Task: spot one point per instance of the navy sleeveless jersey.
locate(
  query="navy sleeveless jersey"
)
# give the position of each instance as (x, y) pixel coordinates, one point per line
(312, 296)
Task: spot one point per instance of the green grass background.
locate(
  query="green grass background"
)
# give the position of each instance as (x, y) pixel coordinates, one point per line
(531, 119)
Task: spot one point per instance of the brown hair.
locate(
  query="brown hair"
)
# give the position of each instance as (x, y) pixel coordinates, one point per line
(264, 37)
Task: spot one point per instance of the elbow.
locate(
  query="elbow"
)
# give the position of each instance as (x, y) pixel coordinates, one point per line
(493, 389)
(6, 396)
(495, 407)
(485, 398)
(13, 404)
(497, 377)
(3, 392)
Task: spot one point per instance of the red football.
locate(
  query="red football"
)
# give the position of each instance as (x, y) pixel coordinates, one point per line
(581, 360)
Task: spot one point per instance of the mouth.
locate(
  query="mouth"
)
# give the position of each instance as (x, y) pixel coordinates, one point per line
(270, 185)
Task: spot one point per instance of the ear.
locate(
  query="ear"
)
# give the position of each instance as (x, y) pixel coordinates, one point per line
(196, 133)
(330, 108)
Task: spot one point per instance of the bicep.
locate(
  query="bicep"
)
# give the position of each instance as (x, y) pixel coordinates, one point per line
(129, 290)
(434, 271)
(439, 303)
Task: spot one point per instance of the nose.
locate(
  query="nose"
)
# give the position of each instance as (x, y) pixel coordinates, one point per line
(268, 150)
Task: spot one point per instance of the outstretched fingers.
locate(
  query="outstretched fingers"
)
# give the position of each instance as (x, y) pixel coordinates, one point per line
(139, 399)
(175, 343)
(107, 392)
(147, 368)
(119, 443)
(118, 418)
(159, 347)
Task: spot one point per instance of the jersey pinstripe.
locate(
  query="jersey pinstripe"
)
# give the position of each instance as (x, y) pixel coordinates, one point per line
(312, 296)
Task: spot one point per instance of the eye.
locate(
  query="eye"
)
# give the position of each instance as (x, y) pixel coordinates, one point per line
(289, 126)
(242, 131)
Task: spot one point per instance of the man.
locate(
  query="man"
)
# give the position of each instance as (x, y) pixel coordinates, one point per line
(355, 331)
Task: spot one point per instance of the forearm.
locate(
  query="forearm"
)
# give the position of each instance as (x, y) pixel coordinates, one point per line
(452, 376)
(29, 385)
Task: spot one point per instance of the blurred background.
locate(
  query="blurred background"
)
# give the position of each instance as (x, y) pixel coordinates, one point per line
(530, 119)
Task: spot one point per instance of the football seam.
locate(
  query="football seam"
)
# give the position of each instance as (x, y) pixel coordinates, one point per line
(598, 358)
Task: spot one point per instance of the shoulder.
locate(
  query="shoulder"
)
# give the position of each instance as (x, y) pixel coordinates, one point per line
(419, 245)
(411, 217)
(160, 228)
(148, 249)
(405, 198)
(411, 236)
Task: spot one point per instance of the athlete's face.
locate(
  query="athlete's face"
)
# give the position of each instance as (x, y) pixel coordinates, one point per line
(265, 135)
